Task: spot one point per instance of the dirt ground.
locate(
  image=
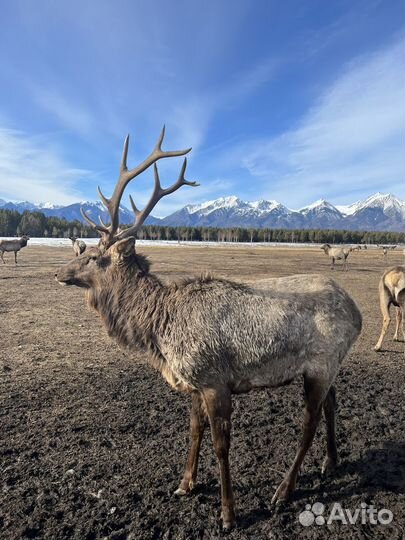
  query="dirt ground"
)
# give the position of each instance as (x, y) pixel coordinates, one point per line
(93, 441)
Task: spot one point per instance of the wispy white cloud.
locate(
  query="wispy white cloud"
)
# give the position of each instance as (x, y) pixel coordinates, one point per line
(351, 140)
(70, 115)
(31, 170)
(193, 116)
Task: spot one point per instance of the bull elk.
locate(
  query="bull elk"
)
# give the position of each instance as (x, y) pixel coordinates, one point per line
(391, 291)
(213, 338)
(13, 245)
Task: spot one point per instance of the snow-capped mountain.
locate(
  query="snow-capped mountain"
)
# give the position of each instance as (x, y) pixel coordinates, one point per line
(321, 214)
(70, 212)
(93, 210)
(20, 206)
(387, 202)
(231, 212)
(379, 212)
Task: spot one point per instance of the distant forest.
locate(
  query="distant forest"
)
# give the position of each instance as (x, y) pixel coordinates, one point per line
(37, 224)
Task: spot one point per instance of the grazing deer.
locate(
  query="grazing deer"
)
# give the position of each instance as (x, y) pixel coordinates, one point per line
(213, 338)
(13, 245)
(79, 246)
(391, 291)
(337, 253)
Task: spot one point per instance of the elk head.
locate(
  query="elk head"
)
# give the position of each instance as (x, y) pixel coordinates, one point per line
(116, 248)
(24, 240)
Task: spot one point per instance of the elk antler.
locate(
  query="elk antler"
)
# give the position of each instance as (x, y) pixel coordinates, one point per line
(158, 193)
(112, 204)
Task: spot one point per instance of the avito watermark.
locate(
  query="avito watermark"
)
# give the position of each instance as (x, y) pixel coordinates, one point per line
(315, 515)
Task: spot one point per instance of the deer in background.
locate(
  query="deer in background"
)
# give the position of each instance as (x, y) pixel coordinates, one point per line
(79, 246)
(213, 338)
(13, 245)
(391, 291)
(339, 253)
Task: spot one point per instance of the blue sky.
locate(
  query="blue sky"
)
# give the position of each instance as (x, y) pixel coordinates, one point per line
(285, 100)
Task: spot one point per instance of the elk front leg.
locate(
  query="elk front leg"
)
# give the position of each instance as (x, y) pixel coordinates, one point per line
(198, 418)
(385, 310)
(15, 257)
(333, 263)
(219, 408)
(315, 392)
(329, 409)
(2, 257)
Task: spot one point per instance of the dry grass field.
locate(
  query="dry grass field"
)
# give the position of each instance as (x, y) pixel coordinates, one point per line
(93, 441)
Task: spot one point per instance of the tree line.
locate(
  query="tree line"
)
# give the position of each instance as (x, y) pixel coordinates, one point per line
(36, 224)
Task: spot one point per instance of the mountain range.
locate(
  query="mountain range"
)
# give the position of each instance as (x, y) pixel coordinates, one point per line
(71, 212)
(379, 212)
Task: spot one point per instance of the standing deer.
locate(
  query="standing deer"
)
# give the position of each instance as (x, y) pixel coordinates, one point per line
(13, 245)
(337, 253)
(213, 338)
(79, 246)
(391, 291)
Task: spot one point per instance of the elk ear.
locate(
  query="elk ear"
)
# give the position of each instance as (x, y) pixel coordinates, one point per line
(123, 249)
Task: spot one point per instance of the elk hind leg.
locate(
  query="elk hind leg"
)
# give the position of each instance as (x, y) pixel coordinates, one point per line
(198, 419)
(315, 393)
(398, 323)
(329, 409)
(219, 408)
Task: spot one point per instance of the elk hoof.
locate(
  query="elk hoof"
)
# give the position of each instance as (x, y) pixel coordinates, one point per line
(180, 492)
(227, 526)
(228, 520)
(377, 348)
(283, 492)
(329, 464)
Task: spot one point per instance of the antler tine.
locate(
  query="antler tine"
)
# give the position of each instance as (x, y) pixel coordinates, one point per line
(104, 199)
(181, 181)
(102, 222)
(158, 193)
(161, 137)
(123, 166)
(101, 228)
(125, 176)
(134, 207)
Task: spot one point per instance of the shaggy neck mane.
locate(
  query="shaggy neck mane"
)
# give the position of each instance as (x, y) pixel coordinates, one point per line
(129, 299)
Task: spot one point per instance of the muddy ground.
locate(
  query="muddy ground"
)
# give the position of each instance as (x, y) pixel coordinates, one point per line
(93, 441)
